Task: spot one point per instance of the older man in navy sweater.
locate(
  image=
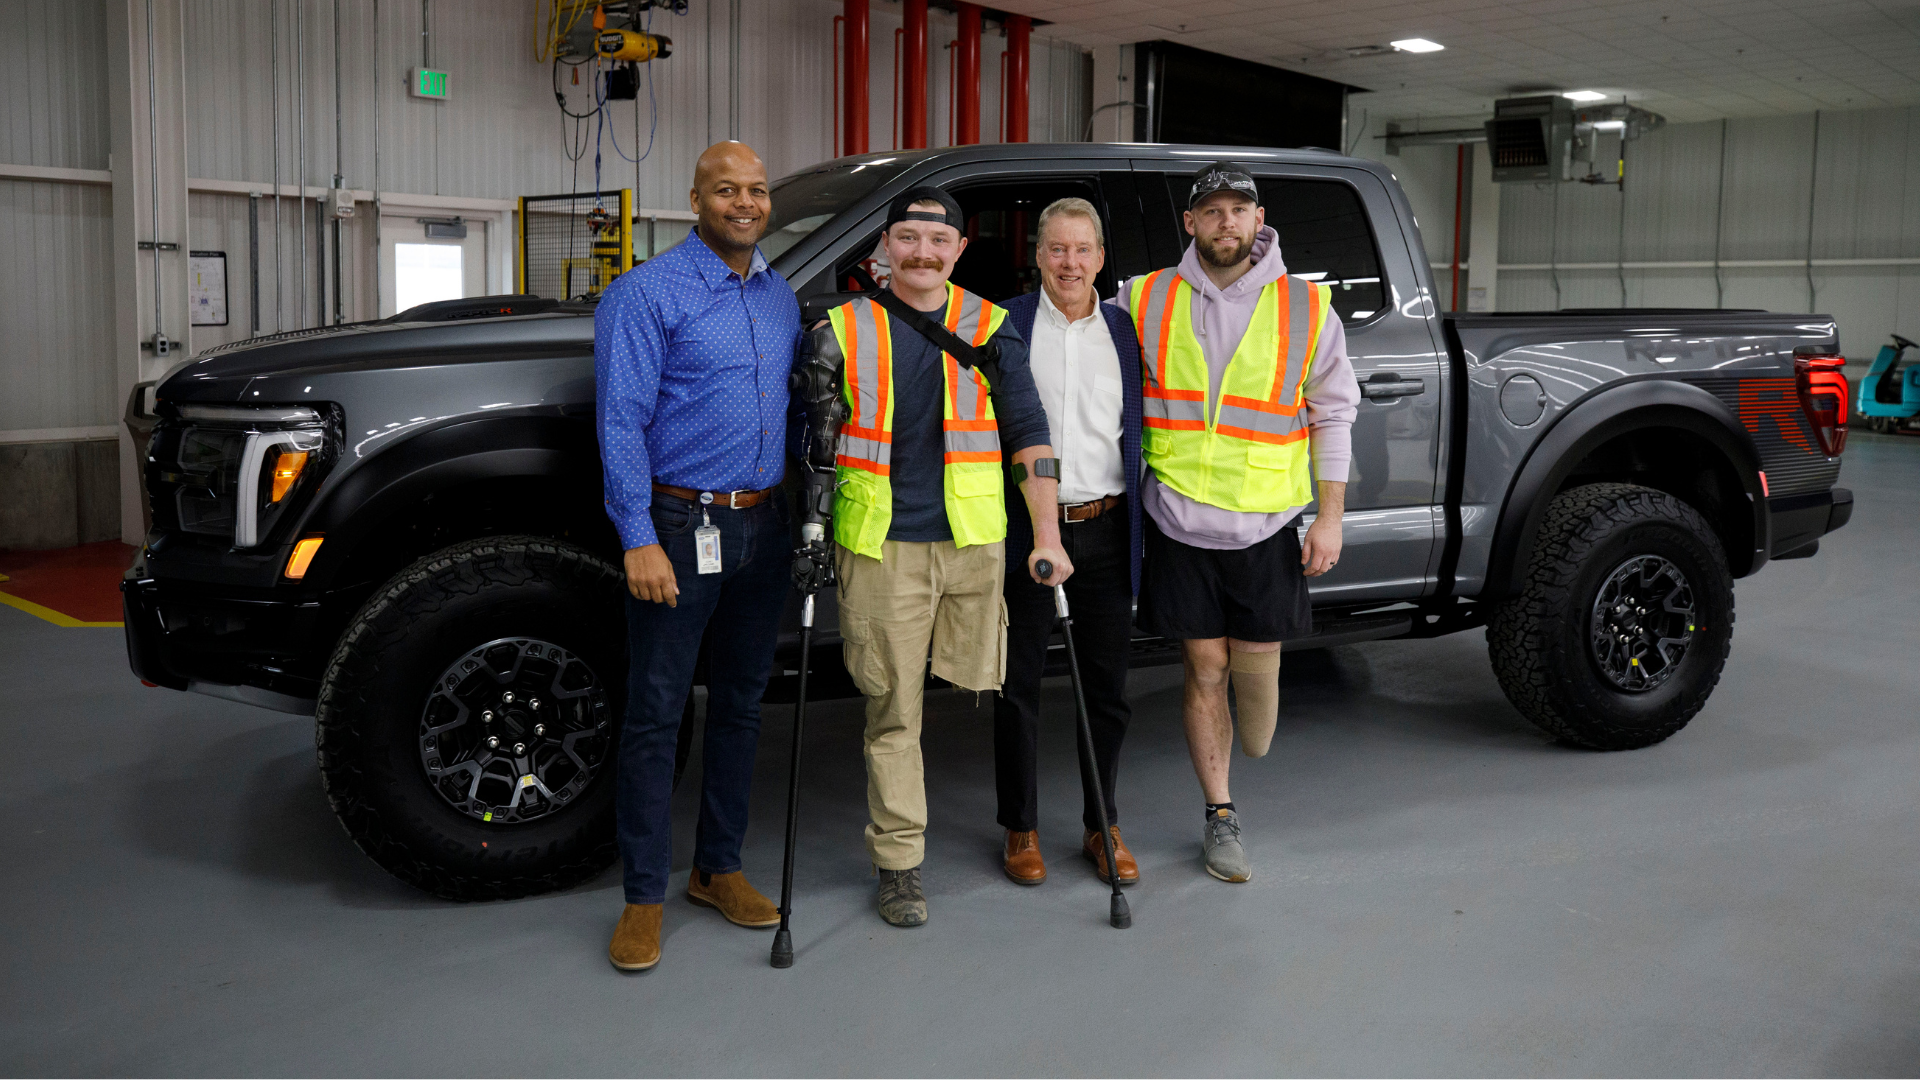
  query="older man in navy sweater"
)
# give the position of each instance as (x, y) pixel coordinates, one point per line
(1085, 359)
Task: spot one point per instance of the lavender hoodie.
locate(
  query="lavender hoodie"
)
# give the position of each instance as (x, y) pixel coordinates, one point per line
(1220, 319)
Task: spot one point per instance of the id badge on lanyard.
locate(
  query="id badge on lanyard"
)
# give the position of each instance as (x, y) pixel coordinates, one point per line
(706, 539)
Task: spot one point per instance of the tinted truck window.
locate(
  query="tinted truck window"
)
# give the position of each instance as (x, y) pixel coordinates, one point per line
(1324, 236)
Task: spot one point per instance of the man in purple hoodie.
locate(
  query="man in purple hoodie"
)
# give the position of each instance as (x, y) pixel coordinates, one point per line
(1245, 378)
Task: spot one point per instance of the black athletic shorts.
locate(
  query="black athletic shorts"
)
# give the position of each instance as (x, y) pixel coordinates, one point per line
(1253, 594)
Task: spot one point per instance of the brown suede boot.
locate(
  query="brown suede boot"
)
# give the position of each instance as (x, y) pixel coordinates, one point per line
(1096, 853)
(740, 902)
(1021, 858)
(636, 941)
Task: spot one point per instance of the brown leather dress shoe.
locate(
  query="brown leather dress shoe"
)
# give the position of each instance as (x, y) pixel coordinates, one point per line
(636, 941)
(1096, 853)
(1022, 858)
(740, 902)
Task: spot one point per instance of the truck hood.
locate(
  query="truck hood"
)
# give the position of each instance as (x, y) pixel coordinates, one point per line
(221, 373)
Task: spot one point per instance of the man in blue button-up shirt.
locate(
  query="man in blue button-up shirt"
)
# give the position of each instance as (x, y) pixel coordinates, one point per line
(691, 354)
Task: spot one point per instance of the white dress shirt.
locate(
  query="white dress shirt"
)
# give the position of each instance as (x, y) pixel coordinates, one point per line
(1077, 372)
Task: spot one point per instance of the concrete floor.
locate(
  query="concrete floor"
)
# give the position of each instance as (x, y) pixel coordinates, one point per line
(1438, 888)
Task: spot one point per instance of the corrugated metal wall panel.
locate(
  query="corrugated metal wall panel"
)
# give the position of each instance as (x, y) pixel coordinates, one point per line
(1769, 168)
(1867, 208)
(53, 79)
(56, 288)
(501, 135)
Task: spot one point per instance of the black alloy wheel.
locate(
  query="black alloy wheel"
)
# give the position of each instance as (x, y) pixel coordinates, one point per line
(515, 730)
(1642, 623)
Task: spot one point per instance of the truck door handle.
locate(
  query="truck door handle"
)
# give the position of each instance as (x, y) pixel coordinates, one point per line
(1387, 385)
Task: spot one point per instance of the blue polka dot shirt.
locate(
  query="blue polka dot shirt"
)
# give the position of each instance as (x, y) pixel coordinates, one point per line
(690, 364)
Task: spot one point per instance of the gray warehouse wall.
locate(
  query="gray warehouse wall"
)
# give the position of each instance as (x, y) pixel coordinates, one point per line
(1854, 201)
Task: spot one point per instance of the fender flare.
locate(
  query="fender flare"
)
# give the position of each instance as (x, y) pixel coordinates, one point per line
(547, 447)
(1589, 423)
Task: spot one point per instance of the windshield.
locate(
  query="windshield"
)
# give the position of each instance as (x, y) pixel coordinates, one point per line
(805, 201)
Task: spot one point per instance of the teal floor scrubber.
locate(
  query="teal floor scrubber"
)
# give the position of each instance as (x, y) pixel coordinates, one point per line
(1890, 394)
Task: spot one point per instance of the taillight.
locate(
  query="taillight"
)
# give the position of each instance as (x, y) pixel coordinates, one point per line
(1823, 397)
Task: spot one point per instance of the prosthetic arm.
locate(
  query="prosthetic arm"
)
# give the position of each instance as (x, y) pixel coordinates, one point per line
(816, 389)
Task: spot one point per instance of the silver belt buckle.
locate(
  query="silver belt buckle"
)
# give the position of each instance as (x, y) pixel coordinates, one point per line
(733, 500)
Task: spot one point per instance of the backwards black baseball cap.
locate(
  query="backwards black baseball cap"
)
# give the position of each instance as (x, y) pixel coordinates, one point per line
(1222, 176)
(950, 215)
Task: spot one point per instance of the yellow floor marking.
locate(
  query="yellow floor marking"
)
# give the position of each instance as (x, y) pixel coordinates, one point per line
(48, 613)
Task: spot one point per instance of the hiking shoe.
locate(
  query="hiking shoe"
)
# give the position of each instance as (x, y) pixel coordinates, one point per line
(1226, 857)
(901, 901)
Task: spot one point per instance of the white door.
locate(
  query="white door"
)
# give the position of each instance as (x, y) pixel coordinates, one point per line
(417, 269)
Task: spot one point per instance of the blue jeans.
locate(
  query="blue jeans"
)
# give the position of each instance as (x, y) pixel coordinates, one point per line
(739, 609)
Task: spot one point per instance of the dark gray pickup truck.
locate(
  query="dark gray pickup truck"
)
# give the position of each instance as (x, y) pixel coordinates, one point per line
(396, 526)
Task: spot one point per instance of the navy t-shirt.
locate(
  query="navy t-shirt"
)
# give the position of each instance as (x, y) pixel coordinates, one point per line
(919, 452)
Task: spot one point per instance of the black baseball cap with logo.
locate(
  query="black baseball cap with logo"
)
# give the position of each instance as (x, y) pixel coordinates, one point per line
(1222, 176)
(902, 208)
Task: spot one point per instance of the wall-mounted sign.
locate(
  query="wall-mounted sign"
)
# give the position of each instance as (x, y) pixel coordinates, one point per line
(430, 84)
(207, 288)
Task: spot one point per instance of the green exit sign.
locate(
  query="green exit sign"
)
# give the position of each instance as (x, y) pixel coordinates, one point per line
(428, 83)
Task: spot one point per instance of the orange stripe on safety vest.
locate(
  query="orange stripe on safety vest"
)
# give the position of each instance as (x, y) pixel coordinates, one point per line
(1166, 331)
(1261, 436)
(851, 365)
(987, 424)
(958, 456)
(1256, 405)
(1168, 424)
(884, 339)
(862, 463)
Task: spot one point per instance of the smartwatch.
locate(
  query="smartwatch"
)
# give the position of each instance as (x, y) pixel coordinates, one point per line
(1046, 466)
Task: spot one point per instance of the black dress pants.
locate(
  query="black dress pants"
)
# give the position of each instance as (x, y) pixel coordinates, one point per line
(1100, 595)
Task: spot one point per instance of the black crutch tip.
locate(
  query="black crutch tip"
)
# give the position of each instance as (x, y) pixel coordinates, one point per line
(1121, 917)
(782, 948)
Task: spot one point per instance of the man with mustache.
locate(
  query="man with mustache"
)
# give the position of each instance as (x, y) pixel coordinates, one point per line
(1086, 363)
(692, 352)
(918, 511)
(1243, 369)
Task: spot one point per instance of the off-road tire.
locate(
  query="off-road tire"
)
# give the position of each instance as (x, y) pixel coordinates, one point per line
(376, 685)
(1539, 641)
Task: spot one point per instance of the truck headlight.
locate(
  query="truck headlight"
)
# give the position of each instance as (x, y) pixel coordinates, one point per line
(235, 470)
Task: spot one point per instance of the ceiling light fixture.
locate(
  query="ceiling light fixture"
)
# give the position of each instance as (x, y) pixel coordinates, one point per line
(1417, 45)
(1584, 95)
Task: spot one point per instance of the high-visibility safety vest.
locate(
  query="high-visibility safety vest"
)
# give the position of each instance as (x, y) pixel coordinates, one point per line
(971, 476)
(1249, 453)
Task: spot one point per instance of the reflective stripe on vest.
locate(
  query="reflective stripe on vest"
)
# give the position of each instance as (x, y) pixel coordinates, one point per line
(1259, 401)
(863, 502)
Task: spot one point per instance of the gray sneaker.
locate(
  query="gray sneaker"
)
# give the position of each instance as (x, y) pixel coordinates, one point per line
(901, 901)
(1226, 858)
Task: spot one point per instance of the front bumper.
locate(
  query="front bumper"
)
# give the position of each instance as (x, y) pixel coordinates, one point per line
(251, 650)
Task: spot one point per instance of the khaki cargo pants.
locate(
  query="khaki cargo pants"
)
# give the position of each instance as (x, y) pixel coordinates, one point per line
(914, 597)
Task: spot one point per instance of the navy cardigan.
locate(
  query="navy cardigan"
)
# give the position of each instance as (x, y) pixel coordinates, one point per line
(1021, 311)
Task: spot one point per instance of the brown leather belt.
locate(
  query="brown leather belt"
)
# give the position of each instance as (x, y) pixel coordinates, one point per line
(1087, 511)
(736, 500)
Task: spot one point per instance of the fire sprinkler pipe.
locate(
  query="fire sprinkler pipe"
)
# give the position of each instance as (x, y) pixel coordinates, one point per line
(1019, 46)
(913, 68)
(854, 56)
(966, 59)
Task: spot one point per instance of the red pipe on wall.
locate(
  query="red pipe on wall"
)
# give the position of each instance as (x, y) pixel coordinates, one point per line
(966, 60)
(913, 74)
(1019, 46)
(854, 129)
